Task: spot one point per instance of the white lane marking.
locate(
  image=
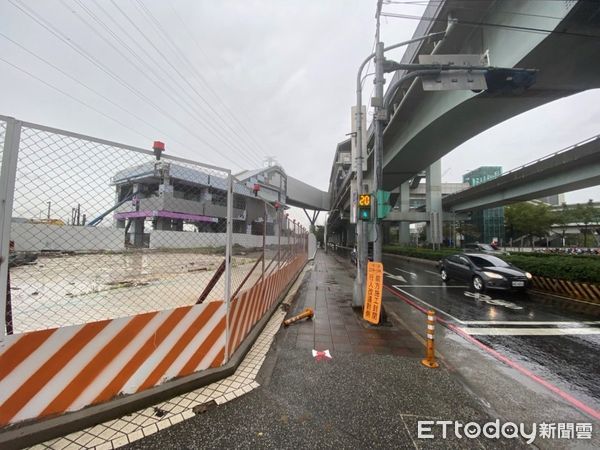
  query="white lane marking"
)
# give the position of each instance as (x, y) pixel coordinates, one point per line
(399, 288)
(525, 322)
(433, 273)
(395, 277)
(490, 301)
(412, 274)
(529, 331)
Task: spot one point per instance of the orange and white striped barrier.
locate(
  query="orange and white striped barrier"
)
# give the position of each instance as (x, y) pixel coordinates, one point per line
(54, 371)
(248, 307)
(430, 360)
(308, 313)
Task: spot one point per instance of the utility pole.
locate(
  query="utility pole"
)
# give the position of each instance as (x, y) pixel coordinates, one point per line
(378, 147)
(49, 204)
(361, 241)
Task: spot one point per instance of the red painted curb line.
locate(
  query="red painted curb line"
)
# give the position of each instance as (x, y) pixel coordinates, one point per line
(570, 399)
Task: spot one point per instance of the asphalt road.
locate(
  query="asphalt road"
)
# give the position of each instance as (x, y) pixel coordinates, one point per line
(561, 347)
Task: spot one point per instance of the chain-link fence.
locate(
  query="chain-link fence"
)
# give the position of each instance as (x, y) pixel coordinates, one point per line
(100, 230)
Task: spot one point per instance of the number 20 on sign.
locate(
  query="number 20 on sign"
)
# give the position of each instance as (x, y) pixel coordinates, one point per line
(372, 308)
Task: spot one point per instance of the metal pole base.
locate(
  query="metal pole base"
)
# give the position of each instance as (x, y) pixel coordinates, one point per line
(358, 297)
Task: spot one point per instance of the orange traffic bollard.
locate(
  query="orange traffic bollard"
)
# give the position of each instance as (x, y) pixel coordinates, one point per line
(430, 361)
(308, 313)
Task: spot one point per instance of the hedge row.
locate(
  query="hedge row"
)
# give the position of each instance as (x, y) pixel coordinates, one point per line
(566, 267)
(572, 268)
(418, 252)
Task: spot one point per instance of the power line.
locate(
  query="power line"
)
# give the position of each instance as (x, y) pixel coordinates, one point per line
(81, 102)
(185, 60)
(148, 69)
(161, 81)
(166, 59)
(199, 75)
(79, 82)
(36, 18)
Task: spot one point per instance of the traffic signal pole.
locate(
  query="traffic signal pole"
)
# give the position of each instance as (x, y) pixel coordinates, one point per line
(361, 238)
(378, 148)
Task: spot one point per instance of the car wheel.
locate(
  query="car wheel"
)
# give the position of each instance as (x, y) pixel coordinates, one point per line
(478, 284)
(444, 275)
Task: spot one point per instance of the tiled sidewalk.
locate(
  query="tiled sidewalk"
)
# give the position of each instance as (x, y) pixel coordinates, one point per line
(336, 327)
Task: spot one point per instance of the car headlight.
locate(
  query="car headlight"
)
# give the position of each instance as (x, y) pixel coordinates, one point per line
(528, 275)
(493, 275)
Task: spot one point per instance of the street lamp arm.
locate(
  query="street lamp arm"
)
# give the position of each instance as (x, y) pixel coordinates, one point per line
(391, 92)
(392, 47)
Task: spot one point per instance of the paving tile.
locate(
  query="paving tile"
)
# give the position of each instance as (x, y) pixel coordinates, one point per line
(342, 347)
(363, 349)
(322, 336)
(176, 419)
(340, 340)
(151, 429)
(104, 446)
(84, 439)
(96, 442)
(135, 435)
(188, 414)
(72, 446)
(120, 441)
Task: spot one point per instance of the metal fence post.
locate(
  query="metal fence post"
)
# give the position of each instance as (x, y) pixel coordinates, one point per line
(8, 174)
(228, 248)
(264, 243)
(278, 237)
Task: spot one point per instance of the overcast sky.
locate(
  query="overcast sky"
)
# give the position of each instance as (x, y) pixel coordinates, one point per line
(135, 72)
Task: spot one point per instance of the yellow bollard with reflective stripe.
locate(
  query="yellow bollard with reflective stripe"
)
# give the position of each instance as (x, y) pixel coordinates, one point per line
(430, 360)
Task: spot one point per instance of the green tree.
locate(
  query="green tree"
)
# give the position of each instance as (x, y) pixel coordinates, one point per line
(562, 218)
(469, 231)
(586, 215)
(320, 233)
(529, 219)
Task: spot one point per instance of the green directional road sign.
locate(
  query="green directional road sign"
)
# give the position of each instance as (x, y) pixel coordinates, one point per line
(383, 204)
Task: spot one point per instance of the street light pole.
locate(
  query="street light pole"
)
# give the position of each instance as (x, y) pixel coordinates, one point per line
(378, 147)
(361, 254)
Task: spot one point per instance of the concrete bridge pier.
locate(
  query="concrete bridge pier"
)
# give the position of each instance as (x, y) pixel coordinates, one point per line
(433, 202)
(404, 226)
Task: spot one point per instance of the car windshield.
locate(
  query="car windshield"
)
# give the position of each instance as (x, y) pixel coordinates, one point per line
(488, 261)
(486, 247)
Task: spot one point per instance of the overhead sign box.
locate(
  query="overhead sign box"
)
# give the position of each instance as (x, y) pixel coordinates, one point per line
(459, 61)
(459, 79)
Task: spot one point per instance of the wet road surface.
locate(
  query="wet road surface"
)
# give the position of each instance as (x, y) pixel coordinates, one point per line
(561, 347)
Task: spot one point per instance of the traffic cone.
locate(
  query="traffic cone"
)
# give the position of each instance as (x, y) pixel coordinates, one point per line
(308, 313)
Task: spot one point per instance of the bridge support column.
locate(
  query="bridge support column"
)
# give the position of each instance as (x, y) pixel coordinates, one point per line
(404, 227)
(433, 202)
